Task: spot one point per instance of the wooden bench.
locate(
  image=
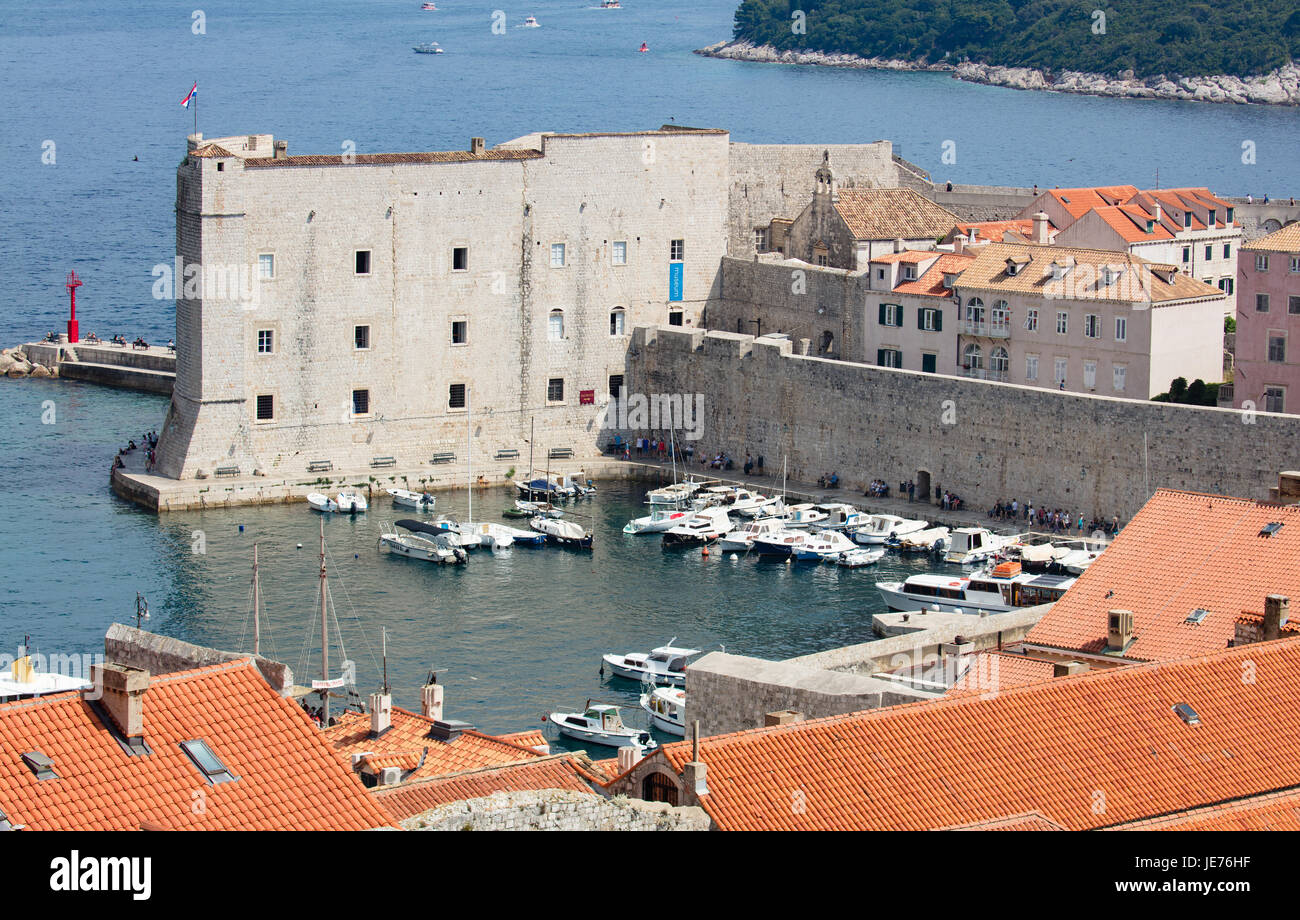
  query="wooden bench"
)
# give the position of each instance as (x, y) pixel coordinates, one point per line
(446, 456)
(226, 471)
(507, 454)
(560, 453)
(383, 461)
(320, 466)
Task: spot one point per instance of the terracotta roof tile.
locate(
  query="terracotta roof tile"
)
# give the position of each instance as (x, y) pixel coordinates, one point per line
(534, 738)
(930, 284)
(892, 213)
(413, 798)
(996, 671)
(1056, 748)
(1274, 811)
(288, 778)
(1285, 240)
(1079, 201)
(1182, 551)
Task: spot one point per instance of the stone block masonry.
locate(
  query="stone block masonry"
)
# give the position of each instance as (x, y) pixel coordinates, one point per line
(984, 441)
(558, 810)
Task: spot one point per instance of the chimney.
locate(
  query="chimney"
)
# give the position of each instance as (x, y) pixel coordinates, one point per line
(695, 775)
(477, 146)
(627, 758)
(782, 717)
(959, 243)
(281, 150)
(970, 240)
(381, 713)
(899, 245)
(1068, 668)
(123, 689)
(449, 730)
(431, 701)
(1119, 630)
(1040, 228)
(1160, 212)
(1275, 615)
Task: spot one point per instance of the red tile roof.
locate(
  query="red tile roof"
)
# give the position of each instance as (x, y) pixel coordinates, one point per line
(990, 672)
(534, 738)
(288, 778)
(892, 213)
(413, 798)
(994, 230)
(1100, 749)
(1274, 811)
(908, 255)
(1285, 240)
(1079, 201)
(930, 284)
(408, 740)
(1182, 552)
(1030, 821)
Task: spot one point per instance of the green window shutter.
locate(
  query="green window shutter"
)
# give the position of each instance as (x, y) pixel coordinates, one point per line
(882, 314)
(880, 357)
(920, 318)
(938, 321)
(898, 314)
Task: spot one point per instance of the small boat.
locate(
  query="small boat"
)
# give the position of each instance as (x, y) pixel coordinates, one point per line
(350, 502)
(880, 527)
(542, 489)
(459, 534)
(562, 533)
(576, 484)
(799, 545)
(644, 47)
(601, 724)
(664, 665)
(742, 540)
(420, 501)
(422, 543)
(675, 494)
(520, 537)
(667, 709)
(973, 545)
(735, 499)
(429, 7)
(804, 515)
(841, 517)
(702, 527)
(322, 503)
(857, 558)
(531, 23)
(610, 5)
(657, 521)
(427, 48)
(1005, 588)
(533, 509)
(920, 541)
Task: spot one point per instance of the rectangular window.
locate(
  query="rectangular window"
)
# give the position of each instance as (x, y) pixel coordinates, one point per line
(880, 274)
(265, 341)
(760, 239)
(1187, 254)
(1211, 222)
(930, 319)
(1225, 285)
(822, 261)
(1120, 372)
(555, 326)
(1031, 320)
(889, 357)
(1090, 374)
(1187, 218)
(1209, 252)
(1295, 263)
(1121, 329)
(929, 362)
(460, 259)
(1277, 348)
(1293, 304)
(1091, 326)
(208, 763)
(615, 385)
(1261, 263)
(1261, 303)
(456, 396)
(620, 252)
(555, 390)
(360, 402)
(675, 317)
(909, 272)
(1062, 323)
(557, 255)
(361, 337)
(362, 263)
(617, 319)
(1227, 250)
(677, 250)
(891, 314)
(460, 332)
(1061, 364)
(1274, 399)
(266, 266)
(1031, 367)
(265, 407)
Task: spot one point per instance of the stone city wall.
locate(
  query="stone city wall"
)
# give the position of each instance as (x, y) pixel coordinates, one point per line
(984, 441)
(558, 810)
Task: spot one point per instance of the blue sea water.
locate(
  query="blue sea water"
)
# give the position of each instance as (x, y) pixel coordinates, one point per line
(91, 131)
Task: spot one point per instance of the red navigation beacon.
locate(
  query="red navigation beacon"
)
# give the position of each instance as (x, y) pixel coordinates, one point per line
(72, 284)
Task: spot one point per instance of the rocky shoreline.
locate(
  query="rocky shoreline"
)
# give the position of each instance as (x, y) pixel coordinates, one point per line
(1281, 87)
(15, 363)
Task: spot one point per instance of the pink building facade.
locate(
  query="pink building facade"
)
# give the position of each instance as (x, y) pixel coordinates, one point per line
(1267, 372)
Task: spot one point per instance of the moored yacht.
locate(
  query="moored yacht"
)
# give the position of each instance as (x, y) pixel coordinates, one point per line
(350, 502)
(703, 526)
(422, 541)
(667, 709)
(420, 501)
(1004, 588)
(841, 517)
(878, 528)
(601, 723)
(973, 545)
(562, 533)
(742, 540)
(664, 665)
(657, 521)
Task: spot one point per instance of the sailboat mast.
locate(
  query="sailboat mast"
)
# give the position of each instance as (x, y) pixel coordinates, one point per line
(257, 608)
(324, 635)
(469, 455)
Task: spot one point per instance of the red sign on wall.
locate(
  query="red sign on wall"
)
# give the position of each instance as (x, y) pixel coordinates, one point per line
(586, 397)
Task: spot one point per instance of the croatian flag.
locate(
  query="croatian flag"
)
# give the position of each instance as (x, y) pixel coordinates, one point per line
(189, 97)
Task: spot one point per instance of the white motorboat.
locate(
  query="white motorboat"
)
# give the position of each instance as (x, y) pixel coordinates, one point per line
(491, 536)
(657, 521)
(768, 507)
(576, 484)
(350, 502)
(531, 23)
(804, 515)
(801, 545)
(742, 540)
(857, 558)
(321, 502)
(562, 533)
(675, 494)
(880, 527)
(1005, 588)
(973, 545)
(427, 48)
(841, 517)
(735, 499)
(542, 489)
(667, 709)
(459, 534)
(601, 723)
(519, 537)
(420, 501)
(930, 539)
(533, 509)
(703, 526)
(664, 665)
(422, 542)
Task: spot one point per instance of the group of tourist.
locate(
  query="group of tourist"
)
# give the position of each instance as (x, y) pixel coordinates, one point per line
(1056, 520)
(878, 489)
(148, 441)
(948, 501)
(751, 466)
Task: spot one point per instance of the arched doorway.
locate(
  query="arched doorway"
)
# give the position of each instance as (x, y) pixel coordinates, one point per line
(923, 484)
(659, 788)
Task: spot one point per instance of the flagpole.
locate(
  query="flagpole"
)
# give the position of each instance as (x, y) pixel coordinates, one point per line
(196, 112)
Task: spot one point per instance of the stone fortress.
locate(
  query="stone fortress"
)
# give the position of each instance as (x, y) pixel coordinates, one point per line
(392, 295)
